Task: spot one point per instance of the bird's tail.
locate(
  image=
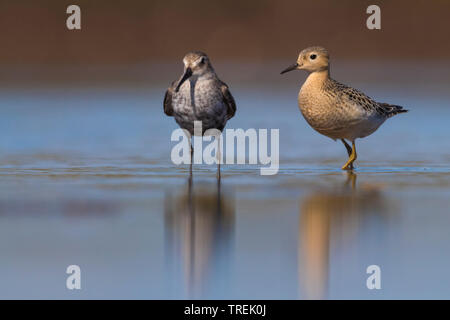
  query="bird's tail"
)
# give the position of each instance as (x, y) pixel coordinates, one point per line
(391, 110)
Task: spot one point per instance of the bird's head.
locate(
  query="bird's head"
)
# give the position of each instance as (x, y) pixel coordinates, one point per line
(196, 64)
(311, 59)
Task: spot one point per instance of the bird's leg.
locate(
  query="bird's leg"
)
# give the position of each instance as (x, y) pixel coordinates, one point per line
(347, 146)
(218, 157)
(351, 159)
(349, 151)
(192, 157)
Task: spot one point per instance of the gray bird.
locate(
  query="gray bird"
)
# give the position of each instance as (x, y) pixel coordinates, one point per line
(334, 109)
(199, 95)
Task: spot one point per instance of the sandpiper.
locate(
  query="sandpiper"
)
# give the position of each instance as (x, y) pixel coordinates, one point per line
(199, 95)
(334, 109)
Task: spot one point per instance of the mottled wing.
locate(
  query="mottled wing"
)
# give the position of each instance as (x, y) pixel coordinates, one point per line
(391, 109)
(228, 100)
(168, 108)
(368, 104)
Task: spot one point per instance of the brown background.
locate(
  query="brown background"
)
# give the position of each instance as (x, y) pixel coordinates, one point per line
(128, 34)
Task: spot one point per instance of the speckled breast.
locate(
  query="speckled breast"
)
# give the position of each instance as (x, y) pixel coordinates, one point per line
(329, 116)
(319, 112)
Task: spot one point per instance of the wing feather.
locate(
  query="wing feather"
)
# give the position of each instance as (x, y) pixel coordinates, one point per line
(228, 100)
(367, 103)
(168, 108)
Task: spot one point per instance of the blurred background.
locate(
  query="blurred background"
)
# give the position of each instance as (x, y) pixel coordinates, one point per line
(86, 176)
(142, 42)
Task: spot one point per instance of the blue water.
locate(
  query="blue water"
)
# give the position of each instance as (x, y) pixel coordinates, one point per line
(86, 179)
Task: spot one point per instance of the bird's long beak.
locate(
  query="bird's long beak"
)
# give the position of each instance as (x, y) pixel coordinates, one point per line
(187, 74)
(290, 68)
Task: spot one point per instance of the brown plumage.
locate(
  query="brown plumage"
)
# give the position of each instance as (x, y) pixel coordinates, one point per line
(334, 109)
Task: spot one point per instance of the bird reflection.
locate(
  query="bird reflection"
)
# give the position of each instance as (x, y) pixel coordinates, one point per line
(199, 227)
(330, 216)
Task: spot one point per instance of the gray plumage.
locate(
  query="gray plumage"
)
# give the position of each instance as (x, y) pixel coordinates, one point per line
(199, 95)
(334, 109)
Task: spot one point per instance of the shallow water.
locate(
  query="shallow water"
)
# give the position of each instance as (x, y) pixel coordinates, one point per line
(86, 179)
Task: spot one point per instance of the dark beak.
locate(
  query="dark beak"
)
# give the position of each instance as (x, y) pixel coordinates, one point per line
(187, 74)
(290, 68)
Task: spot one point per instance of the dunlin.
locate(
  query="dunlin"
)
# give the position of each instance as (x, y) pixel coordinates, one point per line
(199, 95)
(334, 109)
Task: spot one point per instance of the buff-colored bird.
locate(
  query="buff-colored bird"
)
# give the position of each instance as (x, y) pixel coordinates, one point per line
(334, 109)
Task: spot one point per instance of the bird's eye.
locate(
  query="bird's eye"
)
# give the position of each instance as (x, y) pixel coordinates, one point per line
(313, 56)
(202, 61)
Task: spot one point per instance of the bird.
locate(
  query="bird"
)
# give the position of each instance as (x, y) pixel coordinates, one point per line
(334, 109)
(199, 95)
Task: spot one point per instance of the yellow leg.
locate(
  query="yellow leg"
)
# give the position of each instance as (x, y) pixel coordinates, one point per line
(351, 159)
(349, 149)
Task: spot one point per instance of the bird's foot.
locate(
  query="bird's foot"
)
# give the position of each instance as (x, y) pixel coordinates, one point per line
(348, 166)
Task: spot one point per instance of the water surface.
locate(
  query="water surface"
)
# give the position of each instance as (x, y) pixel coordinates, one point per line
(86, 179)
